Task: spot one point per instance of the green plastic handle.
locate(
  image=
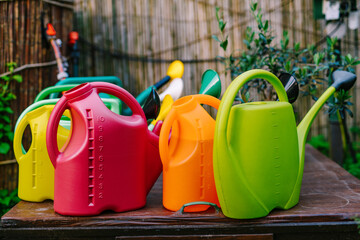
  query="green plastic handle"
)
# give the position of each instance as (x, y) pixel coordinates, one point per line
(233, 89)
(53, 89)
(182, 209)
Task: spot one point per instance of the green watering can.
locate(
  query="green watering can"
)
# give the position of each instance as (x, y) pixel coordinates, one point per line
(258, 150)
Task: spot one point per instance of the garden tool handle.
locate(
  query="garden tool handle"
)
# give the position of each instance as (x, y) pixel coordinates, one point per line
(53, 89)
(233, 89)
(167, 124)
(216, 207)
(19, 131)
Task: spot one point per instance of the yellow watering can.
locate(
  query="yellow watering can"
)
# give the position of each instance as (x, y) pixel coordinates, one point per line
(36, 173)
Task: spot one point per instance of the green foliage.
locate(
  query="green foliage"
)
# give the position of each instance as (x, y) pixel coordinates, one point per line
(311, 67)
(319, 142)
(6, 96)
(7, 200)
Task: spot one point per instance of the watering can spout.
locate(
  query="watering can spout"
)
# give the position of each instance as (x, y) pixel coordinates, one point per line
(342, 80)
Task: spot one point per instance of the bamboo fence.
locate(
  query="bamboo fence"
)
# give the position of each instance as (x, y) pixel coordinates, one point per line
(136, 40)
(21, 42)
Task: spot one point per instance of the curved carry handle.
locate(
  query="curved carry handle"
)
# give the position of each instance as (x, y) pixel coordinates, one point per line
(24, 114)
(53, 89)
(19, 131)
(222, 117)
(182, 209)
(62, 105)
(167, 124)
(35, 106)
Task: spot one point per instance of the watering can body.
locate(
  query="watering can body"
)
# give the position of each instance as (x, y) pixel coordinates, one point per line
(110, 162)
(36, 173)
(187, 158)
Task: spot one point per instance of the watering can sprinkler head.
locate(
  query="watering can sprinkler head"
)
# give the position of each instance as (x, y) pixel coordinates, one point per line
(151, 106)
(175, 70)
(210, 83)
(343, 80)
(291, 86)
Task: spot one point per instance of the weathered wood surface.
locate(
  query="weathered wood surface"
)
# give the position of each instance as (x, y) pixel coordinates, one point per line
(330, 198)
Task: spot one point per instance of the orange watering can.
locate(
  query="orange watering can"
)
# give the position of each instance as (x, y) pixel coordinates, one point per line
(187, 159)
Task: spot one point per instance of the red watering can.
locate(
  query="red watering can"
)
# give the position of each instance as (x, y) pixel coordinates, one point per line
(111, 161)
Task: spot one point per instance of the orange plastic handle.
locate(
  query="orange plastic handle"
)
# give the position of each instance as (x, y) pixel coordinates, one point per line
(165, 129)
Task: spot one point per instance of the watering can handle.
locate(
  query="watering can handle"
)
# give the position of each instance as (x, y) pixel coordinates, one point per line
(62, 105)
(19, 131)
(233, 89)
(122, 94)
(53, 89)
(167, 124)
(216, 207)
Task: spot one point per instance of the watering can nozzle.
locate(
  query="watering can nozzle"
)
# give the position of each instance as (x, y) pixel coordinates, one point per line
(343, 80)
(291, 86)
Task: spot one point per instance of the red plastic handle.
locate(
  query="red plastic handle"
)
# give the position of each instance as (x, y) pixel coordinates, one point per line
(62, 105)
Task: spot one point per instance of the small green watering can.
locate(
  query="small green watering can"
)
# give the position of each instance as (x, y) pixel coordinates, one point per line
(258, 150)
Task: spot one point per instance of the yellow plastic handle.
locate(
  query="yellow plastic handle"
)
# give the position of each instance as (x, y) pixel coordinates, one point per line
(165, 129)
(17, 145)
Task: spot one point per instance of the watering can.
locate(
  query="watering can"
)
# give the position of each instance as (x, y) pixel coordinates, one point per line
(187, 158)
(110, 162)
(259, 151)
(36, 173)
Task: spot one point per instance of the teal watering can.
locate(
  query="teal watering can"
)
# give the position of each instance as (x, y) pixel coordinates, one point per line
(258, 150)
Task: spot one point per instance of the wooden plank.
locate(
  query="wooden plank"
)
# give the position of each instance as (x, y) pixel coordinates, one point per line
(322, 180)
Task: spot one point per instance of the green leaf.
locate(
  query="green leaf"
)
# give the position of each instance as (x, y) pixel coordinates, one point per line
(266, 25)
(217, 9)
(253, 7)
(222, 25)
(216, 38)
(6, 78)
(4, 192)
(10, 136)
(4, 148)
(355, 63)
(17, 78)
(8, 110)
(348, 58)
(224, 44)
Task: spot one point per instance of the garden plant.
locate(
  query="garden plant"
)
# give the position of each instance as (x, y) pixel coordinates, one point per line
(311, 66)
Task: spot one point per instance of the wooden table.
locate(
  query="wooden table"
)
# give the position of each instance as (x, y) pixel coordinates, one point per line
(330, 199)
